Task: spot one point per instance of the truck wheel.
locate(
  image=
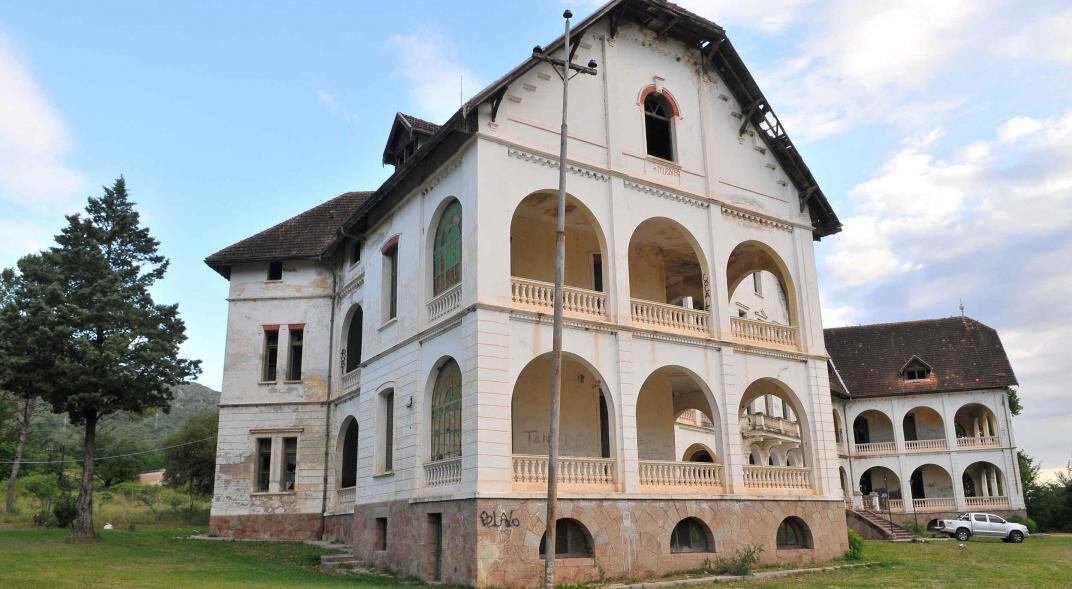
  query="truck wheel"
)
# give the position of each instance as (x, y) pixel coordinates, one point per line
(1016, 536)
(963, 534)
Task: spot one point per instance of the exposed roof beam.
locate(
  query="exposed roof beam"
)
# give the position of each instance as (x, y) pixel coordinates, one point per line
(496, 100)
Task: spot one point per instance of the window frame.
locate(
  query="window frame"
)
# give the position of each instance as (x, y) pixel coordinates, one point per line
(390, 258)
(447, 250)
(280, 476)
(564, 539)
(295, 353)
(386, 433)
(270, 354)
(666, 119)
(801, 534)
(446, 413)
(274, 267)
(259, 471)
(694, 525)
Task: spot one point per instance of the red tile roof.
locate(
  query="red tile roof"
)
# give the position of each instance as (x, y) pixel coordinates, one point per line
(963, 353)
(306, 235)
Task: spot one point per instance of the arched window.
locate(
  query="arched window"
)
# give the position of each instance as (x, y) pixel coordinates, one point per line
(969, 485)
(447, 249)
(690, 535)
(659, 126)
(793, 533)
(447, 412)
(353, 340)
(348, 476)
(571, 540)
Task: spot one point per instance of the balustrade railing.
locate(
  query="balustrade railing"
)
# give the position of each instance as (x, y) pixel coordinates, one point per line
(978, 442)
(446, 302)
(443, 472)
(924, 445)
(769, 423)
(577, 301)
(897, 505)
(986, 501)
(934, 504)
(876, 448)
(680, 474)
(669, 317)
(777, 477)
(344, 499)
(571, 470)
(351, 380)
(763, 333)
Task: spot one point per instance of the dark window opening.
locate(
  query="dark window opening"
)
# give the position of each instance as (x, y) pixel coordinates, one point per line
(689, 535)
(916, 370)
(290, 463)
(571, 540)
(389, 431)
(793, 533)
(349, 456)
(294, 359)
(435, 531)
(701, 456)
(353, 340)
(909, 426)
(604, 427)
(916, 482)
(597, 272)
(355, 251)
(275, 271)
(381, 533)
(860, 432)
(264, 464)
(391, 260)
(271, 355)
(658, 126)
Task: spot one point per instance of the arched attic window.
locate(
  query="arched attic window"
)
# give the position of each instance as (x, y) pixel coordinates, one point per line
(916, 369)
(447, 249)
(659, 126)
(447, 413)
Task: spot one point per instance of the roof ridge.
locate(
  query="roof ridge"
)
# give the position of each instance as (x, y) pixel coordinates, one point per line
(908, 322)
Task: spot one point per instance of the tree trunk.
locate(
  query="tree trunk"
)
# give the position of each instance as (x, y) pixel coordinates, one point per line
(24, 433)
(83, 523)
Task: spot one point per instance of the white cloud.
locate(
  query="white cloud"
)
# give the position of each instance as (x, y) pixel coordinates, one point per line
(436, 79)
(33, 142)
(332, 104)
(1018, 127)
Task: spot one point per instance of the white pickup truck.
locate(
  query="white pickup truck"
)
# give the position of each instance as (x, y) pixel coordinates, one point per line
(983, 525)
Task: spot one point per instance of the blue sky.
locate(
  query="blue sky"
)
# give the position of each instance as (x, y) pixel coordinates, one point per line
(941, 131)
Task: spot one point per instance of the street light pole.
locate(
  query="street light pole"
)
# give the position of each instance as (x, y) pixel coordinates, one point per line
(560, 272)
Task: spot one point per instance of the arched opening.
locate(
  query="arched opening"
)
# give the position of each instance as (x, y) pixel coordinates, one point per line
(446, 412)
(984, 485)
(698, 453)
(447, 249)
(776, 437)
(667, 276)
(932, 488)
(884, 485)
(670, 398)
(532, 255)
(354, 327)
(572, 540)
(659, 126)
(976, 426)
(839, 437)
(586, 445)
(691, 535)
(872, 432)
(924, 429)
(844, 478)
(762, 297)
(793, 533)
(346, 451)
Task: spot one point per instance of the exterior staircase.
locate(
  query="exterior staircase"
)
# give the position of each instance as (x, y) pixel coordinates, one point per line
(880, 522)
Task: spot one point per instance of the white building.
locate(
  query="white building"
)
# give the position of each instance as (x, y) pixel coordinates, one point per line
(386, 374)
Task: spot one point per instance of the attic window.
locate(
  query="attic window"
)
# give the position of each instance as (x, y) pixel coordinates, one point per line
(659, 126)
(916, 370)
(275, 271)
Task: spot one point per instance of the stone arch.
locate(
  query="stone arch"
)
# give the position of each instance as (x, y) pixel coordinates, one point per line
(664, 394)
(353, 332)
(691, 535)
(872, 426)
(976, 420)
(922, 422)
(755, 256)
(572, 540)
(698, 453)
(346, 453)
(931, 481)
(444, 413)
(532, 242)
(877, 479)
(767, 432)
(667, 264)
(793, 533)
(445, 246)
(839, 431)
(987, 478)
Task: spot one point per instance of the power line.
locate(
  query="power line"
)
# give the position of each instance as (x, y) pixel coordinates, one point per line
(110, 457)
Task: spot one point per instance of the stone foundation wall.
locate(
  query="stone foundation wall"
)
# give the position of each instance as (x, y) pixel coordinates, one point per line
(338, 528)
(496, 542)
(289, 526)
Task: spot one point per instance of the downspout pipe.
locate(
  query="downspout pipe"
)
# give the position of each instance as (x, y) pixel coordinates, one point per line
(327, 406)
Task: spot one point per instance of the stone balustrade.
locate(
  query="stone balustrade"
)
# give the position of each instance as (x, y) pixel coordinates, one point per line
(925, 445)
(344, 499)
(445, 302)
(443, 472)
(665, 317)
(769, 423)
(777, 477)
(572, 470)
(934, 504)
(351, 380)
(876, 448)
(668, 473)
(575, 301)
(987, 502)
(979, 442)
(763, 333)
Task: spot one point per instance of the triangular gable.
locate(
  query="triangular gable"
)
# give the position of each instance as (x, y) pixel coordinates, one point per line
(915, 360)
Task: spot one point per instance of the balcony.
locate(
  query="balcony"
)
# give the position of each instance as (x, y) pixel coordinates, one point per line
(777, 478)
(344, 500)
(978, 442)
(540, 296)
(443, 472)
(530, 471)
(763, 333)
(934, 504)
(874, 448)
(681, 476)
(925, 445)
(987, 502)
(665, 317)
(759, 424)
(447, 301)
(351, 380)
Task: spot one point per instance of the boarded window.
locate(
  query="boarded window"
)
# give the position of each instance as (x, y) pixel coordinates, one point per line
(263, 475)
(659, 126)
(447, 412)
(447, 250)
(689, 535)
(294, 358)
(271, 355)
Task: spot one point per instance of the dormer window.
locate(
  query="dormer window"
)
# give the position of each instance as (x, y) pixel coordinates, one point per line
(916, 369)
(659, 126)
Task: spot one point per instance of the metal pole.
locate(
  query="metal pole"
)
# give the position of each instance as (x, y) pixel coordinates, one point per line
(556, 338)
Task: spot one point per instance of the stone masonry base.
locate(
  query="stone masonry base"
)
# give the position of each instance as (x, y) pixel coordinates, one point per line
(290, 526)
(495, 542)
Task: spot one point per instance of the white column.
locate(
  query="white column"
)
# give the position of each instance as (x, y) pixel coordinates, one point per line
(768, 405)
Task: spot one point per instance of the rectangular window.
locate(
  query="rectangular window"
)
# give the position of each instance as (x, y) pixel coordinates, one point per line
(381, 533)
(290, 462)
(294, 359)
(597, 272)
(271, 355)
(388, 431)
(275, 271)
(757, 282)
(264, 464)
(390, 260)
(355, 251)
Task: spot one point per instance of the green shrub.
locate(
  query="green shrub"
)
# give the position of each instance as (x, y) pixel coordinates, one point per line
(740, 564)
(1030, 523)
(914, 526)
(65, 511)
(856, 546)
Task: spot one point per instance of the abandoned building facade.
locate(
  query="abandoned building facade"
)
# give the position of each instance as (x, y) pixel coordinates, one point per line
(387, 366)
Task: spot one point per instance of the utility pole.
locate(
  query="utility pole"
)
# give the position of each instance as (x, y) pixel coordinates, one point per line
(565, 69)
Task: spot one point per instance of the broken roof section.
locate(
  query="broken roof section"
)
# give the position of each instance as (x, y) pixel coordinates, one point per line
(305, 236)
(963, 354)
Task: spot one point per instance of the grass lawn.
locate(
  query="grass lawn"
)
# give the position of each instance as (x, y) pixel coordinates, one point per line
(149, 557)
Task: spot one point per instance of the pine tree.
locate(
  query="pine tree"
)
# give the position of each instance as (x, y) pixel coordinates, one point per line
(118, 349)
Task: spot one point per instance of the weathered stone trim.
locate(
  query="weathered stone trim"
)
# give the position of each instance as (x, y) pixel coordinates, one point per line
(527, 156)
(442, 175)
(357, 282)
(755, 218)
(667, 194)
